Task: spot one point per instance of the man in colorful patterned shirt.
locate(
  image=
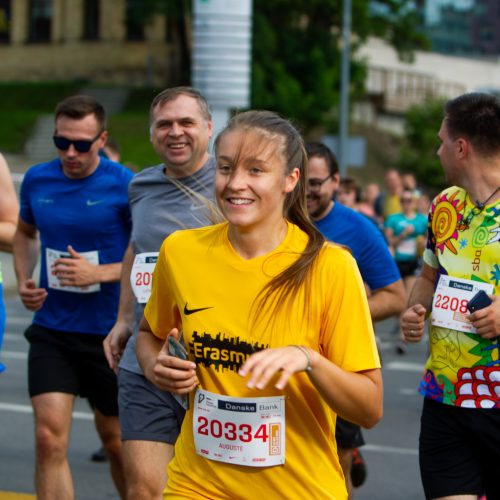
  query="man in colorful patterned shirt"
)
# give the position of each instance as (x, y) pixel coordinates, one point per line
(459, 436)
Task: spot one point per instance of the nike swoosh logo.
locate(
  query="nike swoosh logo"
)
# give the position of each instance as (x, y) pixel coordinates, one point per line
(92, 203)
(187, 311)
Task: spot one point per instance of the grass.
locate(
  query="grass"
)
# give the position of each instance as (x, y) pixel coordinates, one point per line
(130, 129)
(22, 103)
(15, 128)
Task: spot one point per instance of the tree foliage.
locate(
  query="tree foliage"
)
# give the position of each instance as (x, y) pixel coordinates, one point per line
(178, 12)
(419, 153)
(297, 49)
(297, 52)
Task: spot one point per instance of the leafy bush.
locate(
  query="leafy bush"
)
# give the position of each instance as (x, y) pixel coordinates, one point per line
(418, 155)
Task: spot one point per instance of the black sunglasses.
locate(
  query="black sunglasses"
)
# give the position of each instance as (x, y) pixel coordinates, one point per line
(81, 145)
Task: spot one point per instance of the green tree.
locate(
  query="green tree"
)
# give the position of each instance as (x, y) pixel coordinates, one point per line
(178, 12)
(418, 155)
(296, 49)
(296, 63)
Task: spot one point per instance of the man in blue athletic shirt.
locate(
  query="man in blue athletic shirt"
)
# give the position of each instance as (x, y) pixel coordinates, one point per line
(386, 294)
(74, 209)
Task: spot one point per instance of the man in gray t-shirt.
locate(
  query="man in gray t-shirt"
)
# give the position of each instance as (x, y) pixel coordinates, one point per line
(176, 194)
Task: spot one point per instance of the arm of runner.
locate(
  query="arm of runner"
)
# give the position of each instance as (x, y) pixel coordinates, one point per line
(389, 234)
(357, 397)
(115, 342)
(9, 208)
(387, 301)
(25, 252)
(168, 373)
(486, 321)
(78, 271)
(419, 305)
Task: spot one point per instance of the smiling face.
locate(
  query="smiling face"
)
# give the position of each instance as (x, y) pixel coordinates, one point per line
(251, 182)
(74, 164)
(180, 135)
(319, 198)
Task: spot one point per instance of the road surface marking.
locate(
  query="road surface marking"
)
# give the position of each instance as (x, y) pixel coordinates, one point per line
(14, 355)
(404, 366)
(10, 495)
(390, 449)
(79, 415)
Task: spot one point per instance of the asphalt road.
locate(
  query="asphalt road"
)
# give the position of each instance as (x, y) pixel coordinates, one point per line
(390, 452)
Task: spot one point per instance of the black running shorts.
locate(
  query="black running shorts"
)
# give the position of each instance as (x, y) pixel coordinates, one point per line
(72, 363)
(348, 435)
(459, 451)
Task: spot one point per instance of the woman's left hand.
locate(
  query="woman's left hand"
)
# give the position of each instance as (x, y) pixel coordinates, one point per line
(263, 365)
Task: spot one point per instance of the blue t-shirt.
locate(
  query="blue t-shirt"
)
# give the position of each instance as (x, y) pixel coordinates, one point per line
(352, 229)
(90, 214)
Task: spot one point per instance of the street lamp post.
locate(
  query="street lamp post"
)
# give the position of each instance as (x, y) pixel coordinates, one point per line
(344, 88)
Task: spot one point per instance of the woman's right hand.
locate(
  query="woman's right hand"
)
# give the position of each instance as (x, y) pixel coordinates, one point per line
(173, 374)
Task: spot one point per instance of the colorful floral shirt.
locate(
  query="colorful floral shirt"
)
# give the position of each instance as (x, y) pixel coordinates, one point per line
(463, 246)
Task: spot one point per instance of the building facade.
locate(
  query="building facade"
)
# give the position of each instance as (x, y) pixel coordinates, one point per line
(467, 28)
(85, 40)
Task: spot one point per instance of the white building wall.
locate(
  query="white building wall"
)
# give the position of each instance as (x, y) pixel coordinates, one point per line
(401, 84)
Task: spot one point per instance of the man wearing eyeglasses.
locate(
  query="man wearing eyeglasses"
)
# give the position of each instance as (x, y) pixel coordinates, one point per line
(386, 294)
(74, 209)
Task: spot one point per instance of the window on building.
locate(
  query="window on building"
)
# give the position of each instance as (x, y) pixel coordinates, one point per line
(135, 20)
(40, 15)
(91, 10)
(486, 33)
(4, 21)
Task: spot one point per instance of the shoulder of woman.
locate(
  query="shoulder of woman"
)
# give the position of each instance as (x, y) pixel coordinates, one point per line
(336, 253)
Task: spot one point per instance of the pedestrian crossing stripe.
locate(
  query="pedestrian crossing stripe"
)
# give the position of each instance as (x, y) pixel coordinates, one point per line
(9, 495)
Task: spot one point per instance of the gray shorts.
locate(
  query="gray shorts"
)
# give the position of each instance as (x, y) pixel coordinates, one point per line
(147, 413)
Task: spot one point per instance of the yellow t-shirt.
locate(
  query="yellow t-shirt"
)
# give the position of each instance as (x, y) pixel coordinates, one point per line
(392, 205)
(201, 284)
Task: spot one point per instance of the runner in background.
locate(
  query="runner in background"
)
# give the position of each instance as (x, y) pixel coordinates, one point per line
(345, 226)
(75, 215)
(164, 198)
(406, 231)
(9, 210)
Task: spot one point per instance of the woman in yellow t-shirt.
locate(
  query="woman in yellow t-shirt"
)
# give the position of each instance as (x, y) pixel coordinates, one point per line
(276, 326)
